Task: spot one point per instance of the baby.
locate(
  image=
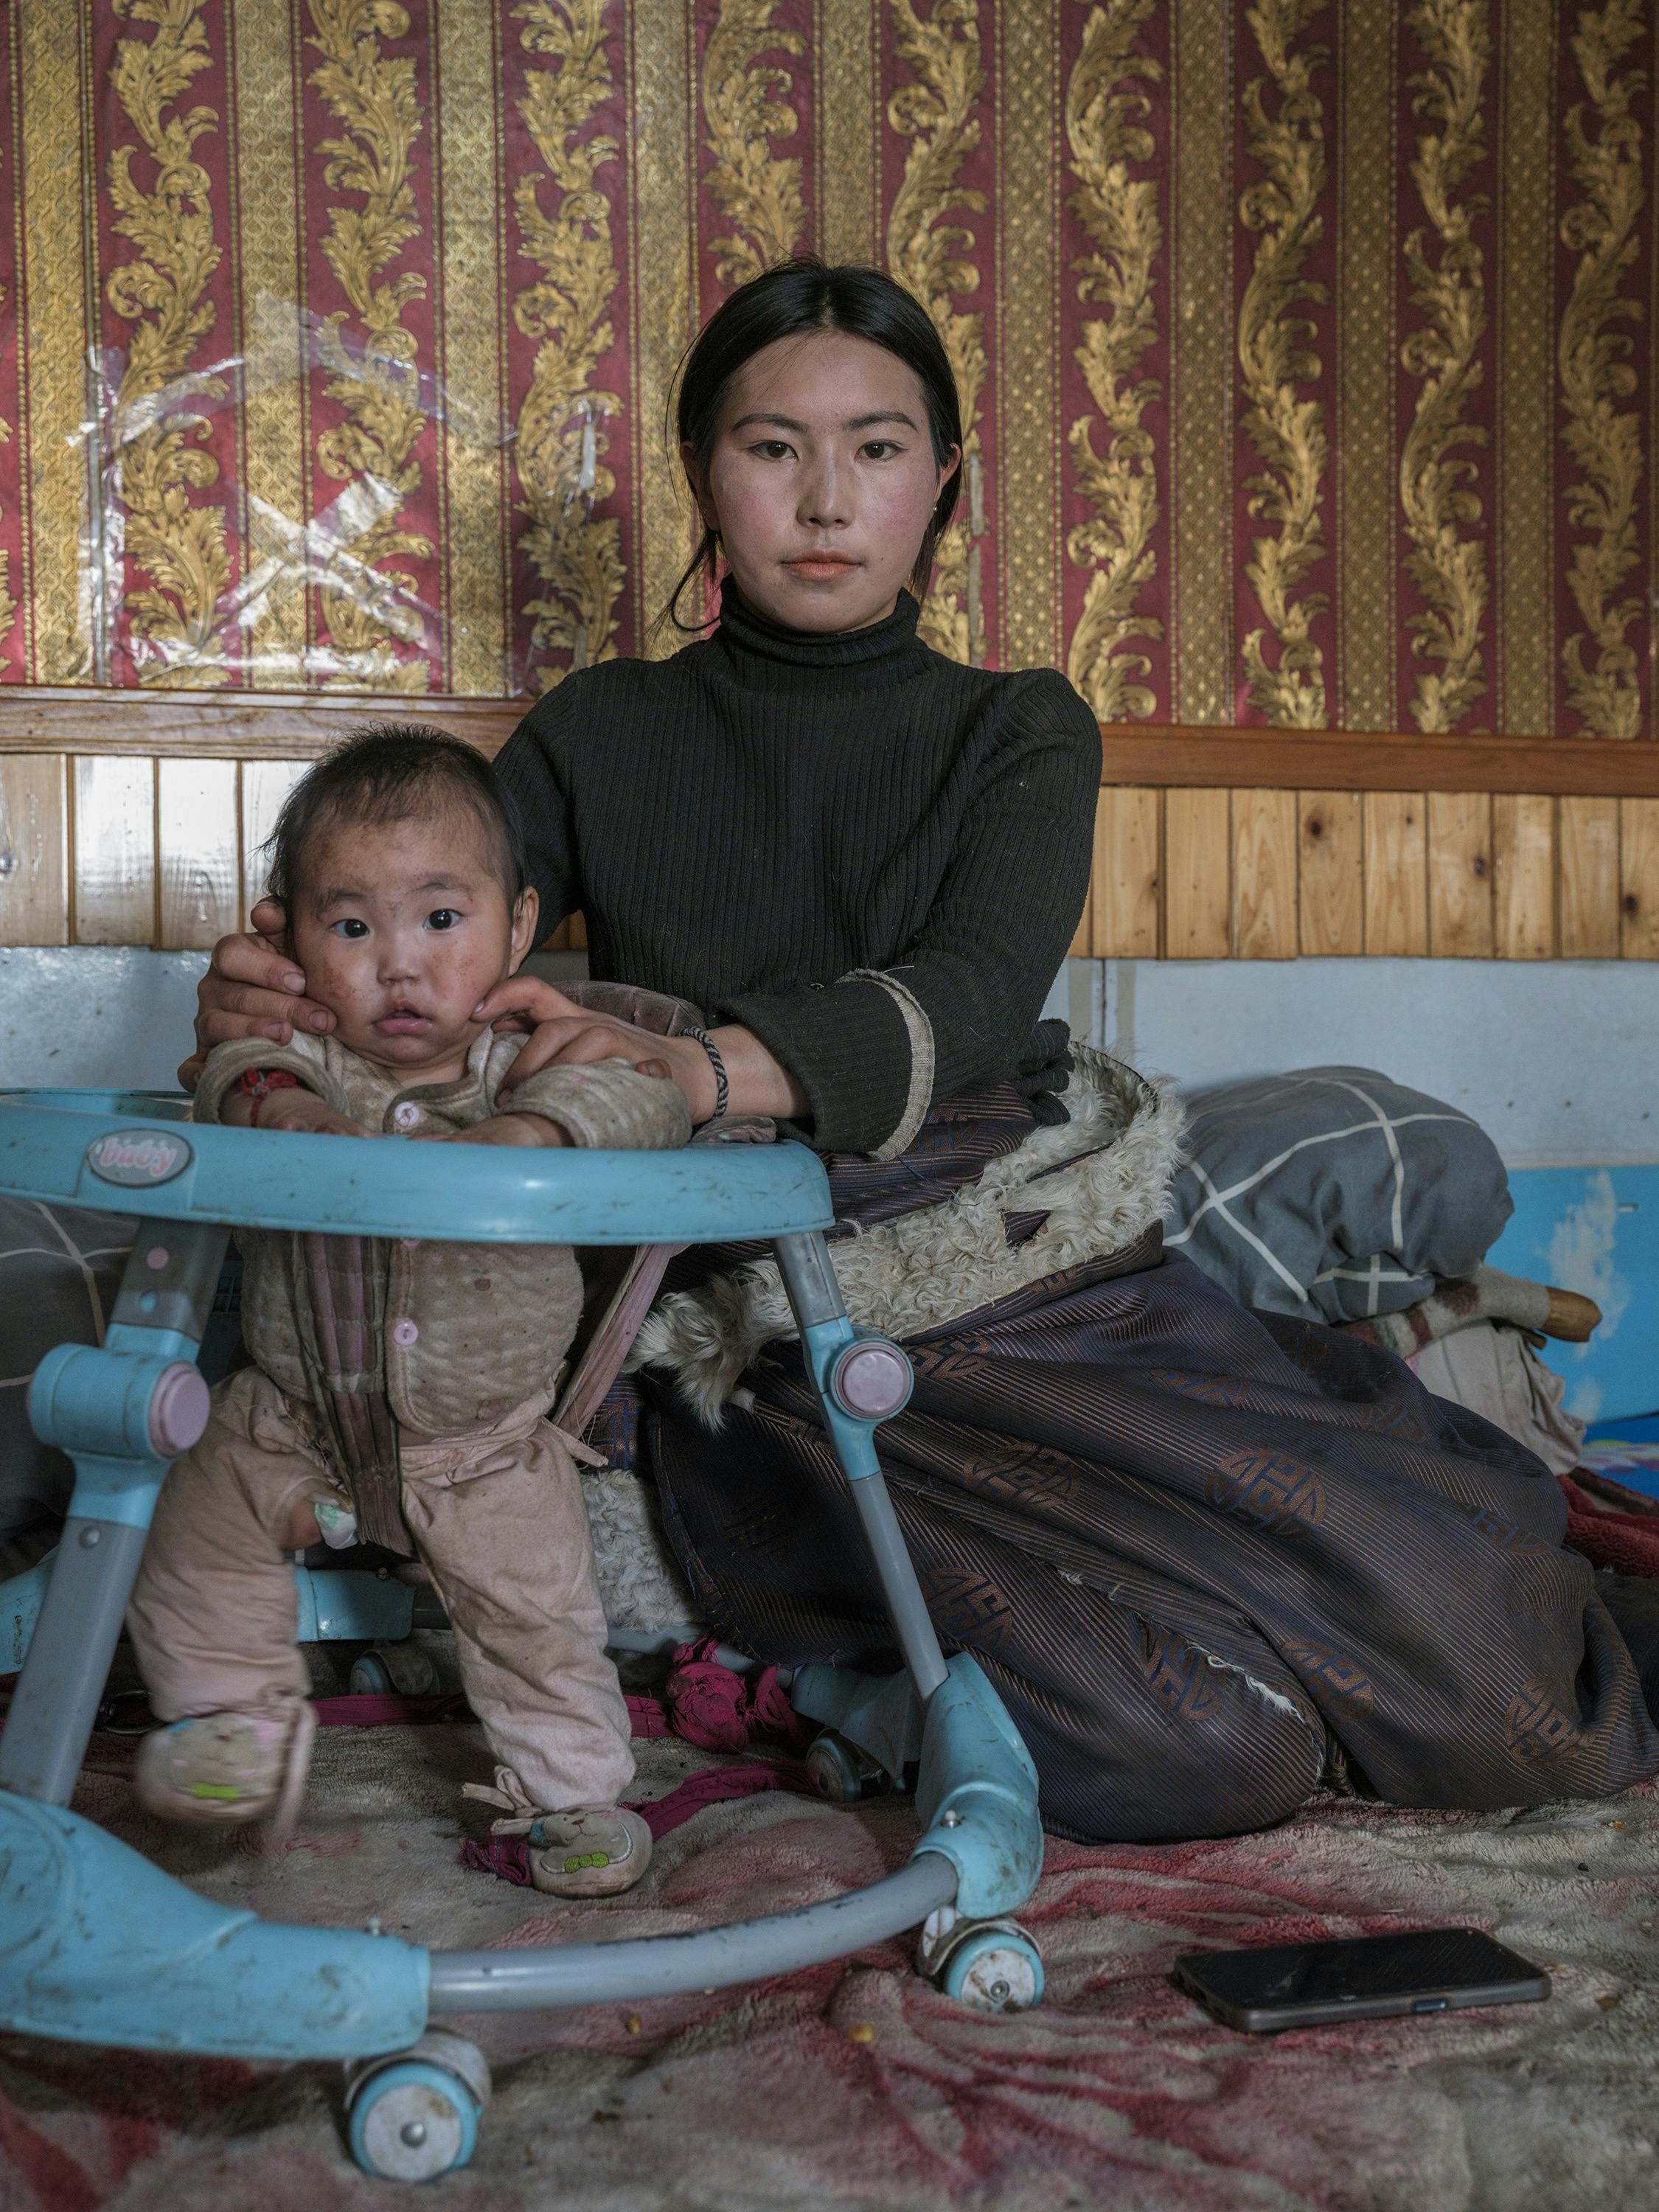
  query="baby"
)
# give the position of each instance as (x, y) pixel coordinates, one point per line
(400, 1384)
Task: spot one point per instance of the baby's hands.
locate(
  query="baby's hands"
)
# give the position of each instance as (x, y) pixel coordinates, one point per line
(305, 1111)
(289, 1106)
(529, 1129)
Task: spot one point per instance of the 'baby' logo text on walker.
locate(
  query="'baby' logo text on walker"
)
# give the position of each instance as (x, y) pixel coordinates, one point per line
(139, 1160)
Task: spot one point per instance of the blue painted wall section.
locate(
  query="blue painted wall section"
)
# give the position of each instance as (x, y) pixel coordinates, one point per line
(1595, 1230)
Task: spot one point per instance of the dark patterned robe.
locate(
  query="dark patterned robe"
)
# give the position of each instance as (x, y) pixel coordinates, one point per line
(1211, 1559)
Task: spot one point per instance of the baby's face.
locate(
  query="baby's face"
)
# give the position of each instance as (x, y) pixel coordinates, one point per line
(401, 927)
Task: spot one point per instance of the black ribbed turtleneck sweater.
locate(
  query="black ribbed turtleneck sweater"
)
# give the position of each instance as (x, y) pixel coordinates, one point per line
(871, 856)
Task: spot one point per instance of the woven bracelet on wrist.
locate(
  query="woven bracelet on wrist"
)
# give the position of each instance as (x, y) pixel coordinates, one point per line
(722, 1088)
(258, 1084)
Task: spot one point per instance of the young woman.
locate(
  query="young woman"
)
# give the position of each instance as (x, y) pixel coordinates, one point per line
(1212, 1559)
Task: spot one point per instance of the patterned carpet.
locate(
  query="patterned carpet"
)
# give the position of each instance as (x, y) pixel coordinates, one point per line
(857, 2085)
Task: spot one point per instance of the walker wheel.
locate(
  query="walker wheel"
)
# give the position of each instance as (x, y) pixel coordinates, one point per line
(992, 1968)
(414, 2116)
(369, 1677)
(843, 1773)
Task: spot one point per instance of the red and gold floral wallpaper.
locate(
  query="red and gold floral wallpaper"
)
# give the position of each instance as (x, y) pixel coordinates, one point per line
(1306, 344)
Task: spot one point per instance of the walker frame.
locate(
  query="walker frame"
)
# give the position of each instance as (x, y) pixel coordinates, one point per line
(99, 1946)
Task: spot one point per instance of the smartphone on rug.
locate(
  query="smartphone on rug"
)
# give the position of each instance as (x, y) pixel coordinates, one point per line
(1369, 1978)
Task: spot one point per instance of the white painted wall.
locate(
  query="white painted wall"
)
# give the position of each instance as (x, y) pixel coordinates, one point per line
(116, 1016)
(1558, 1061)
(112, 1016)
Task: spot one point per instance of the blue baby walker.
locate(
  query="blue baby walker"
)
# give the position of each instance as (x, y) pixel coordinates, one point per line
(99, 1946)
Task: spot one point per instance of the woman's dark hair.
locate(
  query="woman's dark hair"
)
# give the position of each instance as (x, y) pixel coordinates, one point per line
(390, 772)
(795, 297)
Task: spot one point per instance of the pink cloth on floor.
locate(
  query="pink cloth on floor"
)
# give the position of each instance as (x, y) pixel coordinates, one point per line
(718, 1710)
(1626, 1542)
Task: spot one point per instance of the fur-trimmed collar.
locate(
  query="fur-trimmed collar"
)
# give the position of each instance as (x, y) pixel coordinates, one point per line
(1102, 1176)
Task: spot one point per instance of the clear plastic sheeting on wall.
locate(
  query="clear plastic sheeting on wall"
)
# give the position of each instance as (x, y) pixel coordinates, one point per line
(191, 577)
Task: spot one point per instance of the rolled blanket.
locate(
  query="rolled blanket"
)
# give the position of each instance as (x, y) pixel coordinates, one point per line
(1486, 1295)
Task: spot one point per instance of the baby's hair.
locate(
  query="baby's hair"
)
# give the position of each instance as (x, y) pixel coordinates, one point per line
(391, 771)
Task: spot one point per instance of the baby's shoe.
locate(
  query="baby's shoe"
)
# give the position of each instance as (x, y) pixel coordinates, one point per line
(589, 1850)
(584, 1851)
(221, 1770)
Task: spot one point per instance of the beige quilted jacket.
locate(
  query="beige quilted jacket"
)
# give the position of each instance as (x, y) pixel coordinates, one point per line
(470, 1331)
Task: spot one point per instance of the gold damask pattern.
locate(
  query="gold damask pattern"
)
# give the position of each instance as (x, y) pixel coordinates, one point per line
(9, 606)
(1604, 439)
(1435, 499)
(1199, 444)
(562, 430)
(1287, 144)
(936, 110)
(373, 373)
(350, 363)
(1522, 396)
(745, 107)
(1105, 128)
(154, 434)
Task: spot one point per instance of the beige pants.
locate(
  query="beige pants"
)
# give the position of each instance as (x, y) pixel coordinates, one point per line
(499, 1520)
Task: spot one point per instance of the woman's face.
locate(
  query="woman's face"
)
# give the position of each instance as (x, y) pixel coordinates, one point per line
(822, 480)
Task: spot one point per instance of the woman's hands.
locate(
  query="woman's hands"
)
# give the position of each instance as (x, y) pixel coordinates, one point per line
(252, 990)
(565, 1035)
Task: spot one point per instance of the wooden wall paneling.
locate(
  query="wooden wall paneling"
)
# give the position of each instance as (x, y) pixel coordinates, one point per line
(1127, 898)
(1460, 875)
(1331, 878)
(264, 786)
(1204, 843)
(1083, 944)
(570, 935)
(1367, 760)
(1198, 895)
(1265, 900)
(34, 849)
(1524, 876)
(84, 717)
(1589, 879)
(1638, 863)
(163, 724)
(1396, 874)
(199, 850)
(112, 843)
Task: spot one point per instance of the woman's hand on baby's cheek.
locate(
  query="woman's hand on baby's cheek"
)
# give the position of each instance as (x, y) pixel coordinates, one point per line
(252, 989)
(523, 1002)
